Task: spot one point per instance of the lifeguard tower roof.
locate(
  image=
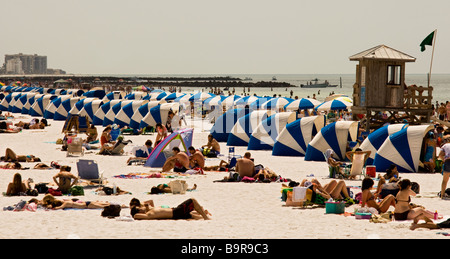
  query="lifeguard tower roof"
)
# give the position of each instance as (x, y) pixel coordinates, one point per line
(383, 52)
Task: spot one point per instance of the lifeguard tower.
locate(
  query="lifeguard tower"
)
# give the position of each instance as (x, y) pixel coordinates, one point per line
(380, 91)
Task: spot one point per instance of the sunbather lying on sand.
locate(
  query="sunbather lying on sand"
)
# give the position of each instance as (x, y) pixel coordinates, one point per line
(50, 201)
(334, 189)
(189, 209)
(10, 156)
(165, 188)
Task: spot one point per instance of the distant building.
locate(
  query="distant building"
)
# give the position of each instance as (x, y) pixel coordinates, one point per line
(25, 64)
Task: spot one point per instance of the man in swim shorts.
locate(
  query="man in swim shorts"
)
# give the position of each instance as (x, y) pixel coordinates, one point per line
(189, 209)
(179, 162)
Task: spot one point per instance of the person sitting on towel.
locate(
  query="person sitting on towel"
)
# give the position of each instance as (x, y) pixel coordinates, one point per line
(196, 159)
(212, 148)
(245, 166)
(179, 162)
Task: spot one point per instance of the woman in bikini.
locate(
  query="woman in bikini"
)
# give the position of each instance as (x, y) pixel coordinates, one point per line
(50, 201)
(403, 210)
(369, 199)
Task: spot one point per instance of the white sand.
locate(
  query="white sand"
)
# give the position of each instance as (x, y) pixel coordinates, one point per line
(240, 210)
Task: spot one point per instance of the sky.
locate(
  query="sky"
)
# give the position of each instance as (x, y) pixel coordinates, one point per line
(222, 37)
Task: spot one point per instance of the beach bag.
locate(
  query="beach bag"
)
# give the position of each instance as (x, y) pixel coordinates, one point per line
(76, 191)
(178, 186)
(111, 211)
(54, 192)
(41, 187)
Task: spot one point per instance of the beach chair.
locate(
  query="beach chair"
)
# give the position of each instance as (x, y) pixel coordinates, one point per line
(74, 146)
(88, 170)
(334, 172)
(118, 148)
(358, 167)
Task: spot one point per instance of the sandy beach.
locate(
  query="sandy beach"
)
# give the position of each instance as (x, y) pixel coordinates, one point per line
(239, 210)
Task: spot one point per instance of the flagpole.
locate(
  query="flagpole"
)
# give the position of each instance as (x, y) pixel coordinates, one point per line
(432, 55)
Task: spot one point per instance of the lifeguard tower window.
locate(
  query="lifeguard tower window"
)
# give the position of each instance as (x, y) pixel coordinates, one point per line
(393, 75)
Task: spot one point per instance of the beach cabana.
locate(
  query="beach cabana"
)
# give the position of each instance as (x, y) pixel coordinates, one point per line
(375, 139)
(63, 110)
(135, 96)
(4, 104)
(183, 99)
(90, 108)
(295, 137)
(173, 96)
(111, 114)
(243, 128)
(266, 133)
(99, 115)
(114, 95)
(123, 117)
(156, 96)
(21, 101)
(213, 101)
(26, 107)
(334, 136)
(158, 114)
(181, 139)
(80, 104)
(14, 100)
(246, 100)
(141, 112)
(403, 149)
(228, 101)
(225, 122)
(38, 107)
(256, 105)
(200, 96)
(49, 112)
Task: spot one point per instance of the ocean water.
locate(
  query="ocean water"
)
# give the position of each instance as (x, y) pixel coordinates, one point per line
(440, 83)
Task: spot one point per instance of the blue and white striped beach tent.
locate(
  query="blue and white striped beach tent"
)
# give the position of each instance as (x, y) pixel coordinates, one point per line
(157, 96)
(49, 112)
(13, 101)
(90, 108)
(214, 101)
(334, 136)
(136, 96)
(402, 149)
(276, 103)
(228, 101)
(225, 122)
(2, 95)
(295, 137)
(21, 101)
(111, 114)
(302, 104)
(183, 99)
(123, 117)
(141, 112)
(26, 107)
(80, 104)
(243, 128)
(114, 95)
(375, 139)
(103, 110)
(256, 105)
(173, 96)
(266, 133)
(75, 92)
(95, 94)
(63, 110)
(4, 104)
(38, 107)
(158, 114)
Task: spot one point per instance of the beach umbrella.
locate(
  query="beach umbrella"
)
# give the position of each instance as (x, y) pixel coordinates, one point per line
(49, 112)
(99, 115)
(246, 100)
(140, 113)
(229, 100)
(243, 128)
(123, 117)
(173, 96)
(90, 108)
(375, 139)
(266, 133)
(62, 111)
(113, 96)
(333, 105)
(111, 114)
(225, 122)
(344, 98)
(157, 96)
(403, 149)
(200, 96)
(213, 101)
(295, 137)
(302, 104)
(157, 91)
(276, 103)
(334, 136)
(183, 99)
(38, 107)
(158, 114)
(257, 103)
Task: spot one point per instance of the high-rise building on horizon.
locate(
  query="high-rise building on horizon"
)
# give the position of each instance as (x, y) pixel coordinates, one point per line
(26, 64)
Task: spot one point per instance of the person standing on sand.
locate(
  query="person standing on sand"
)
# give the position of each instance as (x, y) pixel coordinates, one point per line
(445, 156)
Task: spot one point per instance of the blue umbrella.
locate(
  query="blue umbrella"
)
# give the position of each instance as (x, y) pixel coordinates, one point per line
(333, 105)
(301, 104)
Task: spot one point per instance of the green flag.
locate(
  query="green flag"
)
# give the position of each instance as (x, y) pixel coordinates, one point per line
(427, 41)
